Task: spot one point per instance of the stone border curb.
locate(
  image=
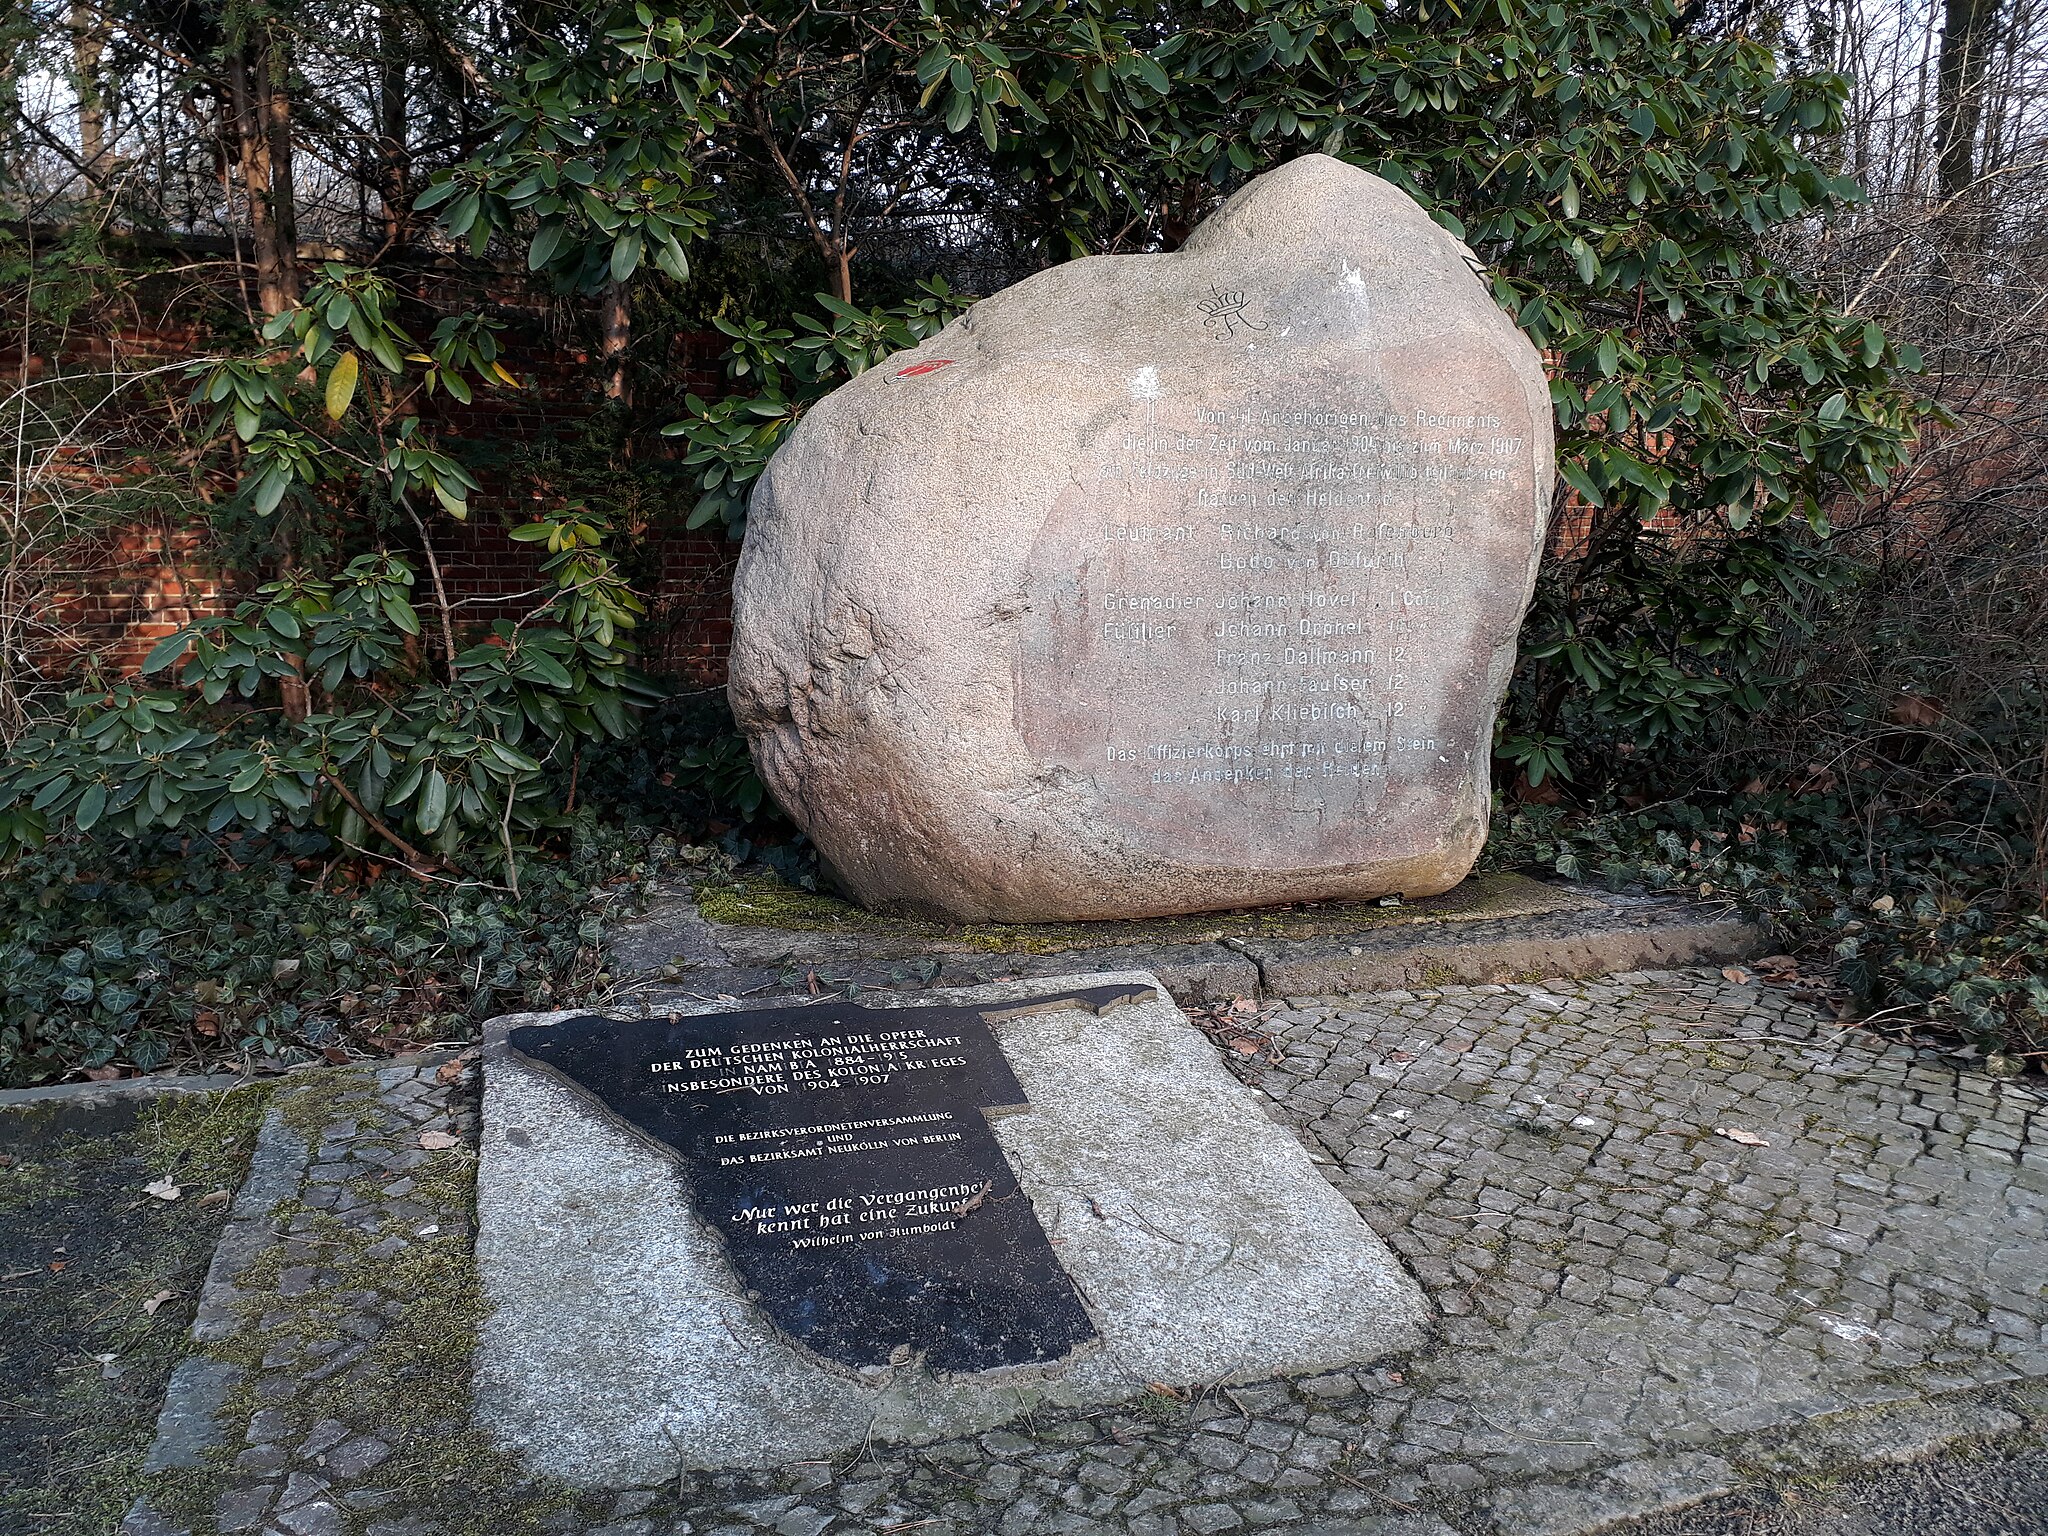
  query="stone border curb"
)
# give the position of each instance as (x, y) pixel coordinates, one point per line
(188, 1425)
(1559, 947)
(1616, 933)
(122, 1088)
(331, 1183)
(1564, 945)
(277, 1167)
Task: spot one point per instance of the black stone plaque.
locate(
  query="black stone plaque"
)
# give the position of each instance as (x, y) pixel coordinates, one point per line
(845, 1156)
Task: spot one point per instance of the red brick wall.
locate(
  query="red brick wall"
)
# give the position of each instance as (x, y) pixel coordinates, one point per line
(124, 590)
(119, 592)
(1571, 528)
(687, 633)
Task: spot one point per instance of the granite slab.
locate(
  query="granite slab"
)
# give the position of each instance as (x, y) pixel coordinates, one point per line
(1205, 1244)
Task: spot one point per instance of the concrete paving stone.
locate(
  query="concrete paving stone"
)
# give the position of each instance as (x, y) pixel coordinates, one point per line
(188, 1425)
(262, 1460)
(352, 1458)
(319, 1518)
(242, 1508)
(141, 1520)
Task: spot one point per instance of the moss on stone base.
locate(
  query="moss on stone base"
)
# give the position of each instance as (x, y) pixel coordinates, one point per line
(763, 901)
(411, 1386)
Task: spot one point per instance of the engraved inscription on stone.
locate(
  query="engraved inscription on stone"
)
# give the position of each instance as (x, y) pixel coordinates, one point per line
(1262, 600)
(844, 1156)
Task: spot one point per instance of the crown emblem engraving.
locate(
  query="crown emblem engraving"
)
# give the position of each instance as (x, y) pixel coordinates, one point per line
(1227, 307)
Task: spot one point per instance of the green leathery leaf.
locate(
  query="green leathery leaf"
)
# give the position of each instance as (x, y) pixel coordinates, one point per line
(341, 385)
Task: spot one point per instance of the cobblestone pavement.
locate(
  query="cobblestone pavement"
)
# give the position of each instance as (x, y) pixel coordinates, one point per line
(1683, 1235)
(1995, 1491)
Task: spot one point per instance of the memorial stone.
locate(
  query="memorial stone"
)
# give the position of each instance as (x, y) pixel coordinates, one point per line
(660, 1202)
(1160, 584)
(844, 1158)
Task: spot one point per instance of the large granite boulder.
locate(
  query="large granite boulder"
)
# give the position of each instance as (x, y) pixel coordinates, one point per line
(1160, 584)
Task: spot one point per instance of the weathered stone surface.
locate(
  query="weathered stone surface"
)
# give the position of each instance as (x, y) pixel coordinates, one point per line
(1203, 1240)
(1160, 584)
(186, 1428)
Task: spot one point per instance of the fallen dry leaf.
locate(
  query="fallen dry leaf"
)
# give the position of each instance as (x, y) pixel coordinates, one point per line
(218, 1197)
(1737, 1134)
(1817, 781)
(450, 1073)
(1230, 1026)
(1917, 709)
(149, 1307)
(438, 1141)
(165, 1188)
(1736, 974)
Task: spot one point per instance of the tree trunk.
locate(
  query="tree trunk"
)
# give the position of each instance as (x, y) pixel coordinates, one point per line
(1966, 36)
(88, 44)
(394, 165)
(1180, 212)
(259, 107)
(277, 128)
(615, 311)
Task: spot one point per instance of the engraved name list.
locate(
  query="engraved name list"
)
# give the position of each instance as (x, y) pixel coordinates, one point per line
(1240, 611)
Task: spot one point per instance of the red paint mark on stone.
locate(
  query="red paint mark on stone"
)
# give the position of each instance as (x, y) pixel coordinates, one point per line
(919, 370)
